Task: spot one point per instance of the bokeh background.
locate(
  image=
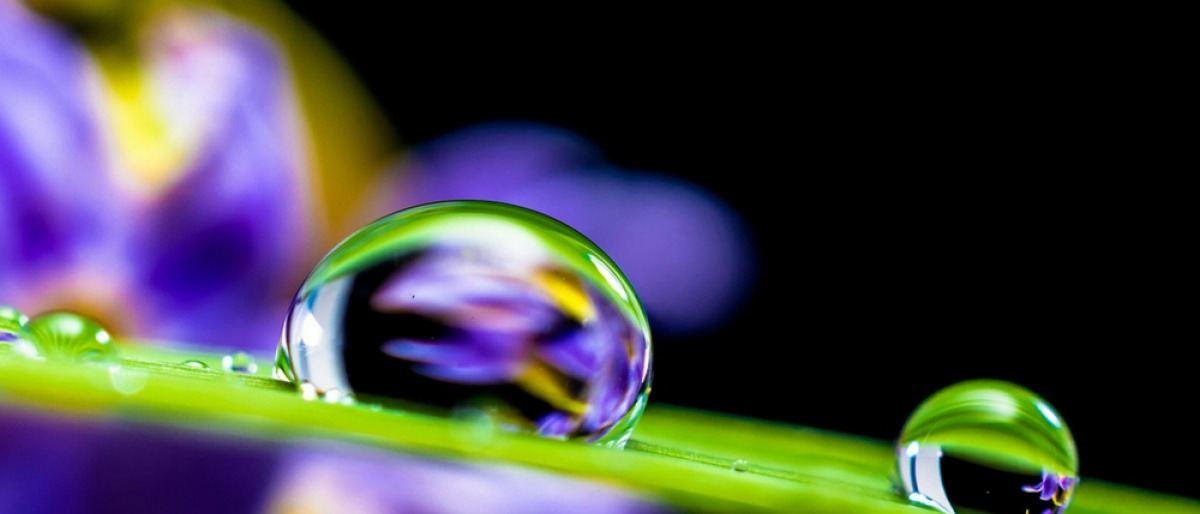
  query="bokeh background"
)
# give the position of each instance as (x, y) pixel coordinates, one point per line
(920, 212)
(909, 213)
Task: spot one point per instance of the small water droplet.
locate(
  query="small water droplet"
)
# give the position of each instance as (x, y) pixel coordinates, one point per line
(465, 303)
(337, 396)
(987, 445)
(14, 338)
(12, 322)
(308, 391)
(740, 465)
(127, 381)
(63, 335)
(473, 427)
(239, 362)
(193, 363)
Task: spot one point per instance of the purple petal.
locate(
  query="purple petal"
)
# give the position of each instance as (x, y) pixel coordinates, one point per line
(54, 204)
(557, 424)
(492, 159)
(615, 388)
(1050, 487)
(228, 243)
(578, 353)
(464, 294)
(684, 250)
(473, 358)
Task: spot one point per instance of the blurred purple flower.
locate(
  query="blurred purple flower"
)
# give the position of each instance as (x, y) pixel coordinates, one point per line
(201, 232)
(683, 249)
(200, 237)
(506, 326)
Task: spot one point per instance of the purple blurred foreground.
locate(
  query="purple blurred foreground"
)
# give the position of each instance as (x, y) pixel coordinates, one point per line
(56, 465)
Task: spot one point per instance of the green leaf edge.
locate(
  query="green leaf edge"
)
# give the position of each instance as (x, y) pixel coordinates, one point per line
(682, 456)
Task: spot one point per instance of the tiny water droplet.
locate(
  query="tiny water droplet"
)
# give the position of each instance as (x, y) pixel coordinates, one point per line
(337, 396)
(987, 445)
(308, 391)
(473, 427)
(14, 338)
(193, 363)
(64, 335)
(461, 303)
(127, 381)
(740, 465)
(239, 362)
(12, 322)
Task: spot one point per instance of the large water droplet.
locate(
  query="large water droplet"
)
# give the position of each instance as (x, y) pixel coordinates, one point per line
(473, 304)
(990, 446)
(63, 335)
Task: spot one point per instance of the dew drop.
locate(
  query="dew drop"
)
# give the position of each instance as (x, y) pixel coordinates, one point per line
(127, 381)
(990, 446)
(337, 396)
(14, 337)
(239, 362)
(195, 364)
(740, 465)
(472, 303)
(308, 391)
(64, 335)
(12, 323)
(473, 428)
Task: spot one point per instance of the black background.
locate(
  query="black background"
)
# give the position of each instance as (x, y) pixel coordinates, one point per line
(923, 210)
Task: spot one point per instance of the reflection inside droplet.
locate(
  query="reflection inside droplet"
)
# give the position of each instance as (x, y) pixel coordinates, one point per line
(475, 304)
(990, 446)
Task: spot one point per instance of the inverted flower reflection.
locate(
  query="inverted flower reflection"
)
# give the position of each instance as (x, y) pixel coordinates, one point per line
(535, 325)
(166, 168)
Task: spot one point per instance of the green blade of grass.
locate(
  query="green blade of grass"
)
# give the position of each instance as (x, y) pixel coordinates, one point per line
(695, 460)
